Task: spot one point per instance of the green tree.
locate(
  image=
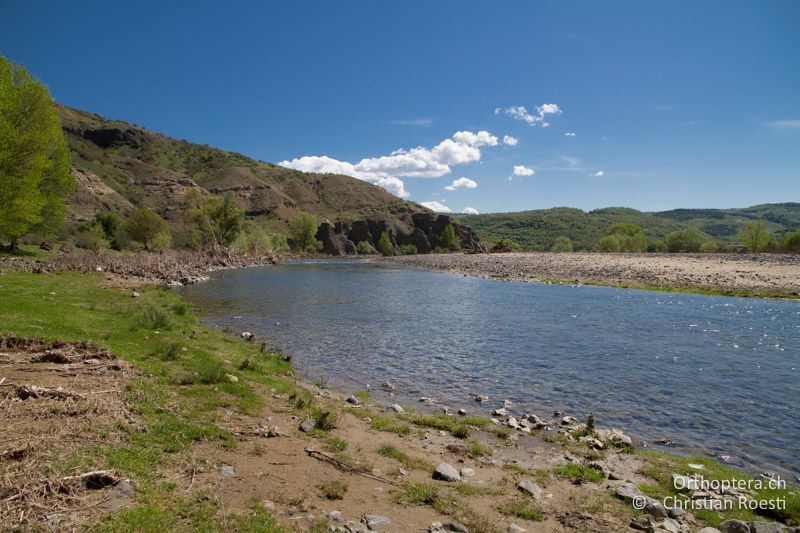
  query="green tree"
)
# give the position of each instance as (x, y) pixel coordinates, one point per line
(161, 242)
(143, 225)
(34, 161)
(448, 239)
(688, 240)
(562, 244)
(609, 243)
(754, 236)
(384, 245)
(709, 247)
(110, 222)
(219, 220)
(364, 248)
(791, 243)
(304, 232)
(630, 236)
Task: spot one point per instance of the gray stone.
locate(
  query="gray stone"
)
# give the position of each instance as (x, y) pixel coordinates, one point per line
(306, 426)
(397, 408)
(668, 525)
(629, 491)
(529, 487)
(227, 471)
(467, 472)
(246, 335)
(374, 521)
(458, 527)
(231, 378)
(766, 527)
(462, 412)
(642, 523)
(481, 398)
(709, 530)
(352, 400)
(569, 421)
(656, 509)
(676, 512)
(734, 526)
(681, 483)
(514, 528)
(500, 412)
(446, 472)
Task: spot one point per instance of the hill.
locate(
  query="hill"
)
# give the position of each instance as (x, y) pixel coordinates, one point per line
(119, 166)
(538, 229)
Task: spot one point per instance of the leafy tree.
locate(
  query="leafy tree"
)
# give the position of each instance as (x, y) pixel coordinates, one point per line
(562, 244)
(34, 161)
(688, 240)
(143, 225)
(304, 232)
(408, 249)
(219, 220)
(709, 247)
(609, 243)
(384, 244)
(254, 240)
(110, 222)
(448, 239)
(161, 242)
(91, 237)
(791, 243)
(630, 236)
(754, 236)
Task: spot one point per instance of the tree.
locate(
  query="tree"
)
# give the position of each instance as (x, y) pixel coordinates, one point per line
(110, 222)
(448, 239)
(709, 247)
(754, 236)
(219, 220)
(304, 232)
(630, 236)
(34, 160)
(562, 244)
(688, 240)
(609, 243)
(143, 225)
(384, 245)
(791, 243)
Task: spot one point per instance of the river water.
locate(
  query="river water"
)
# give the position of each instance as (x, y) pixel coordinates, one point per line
(717, 375)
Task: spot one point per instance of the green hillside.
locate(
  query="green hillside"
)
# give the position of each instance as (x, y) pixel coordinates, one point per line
(538, 229)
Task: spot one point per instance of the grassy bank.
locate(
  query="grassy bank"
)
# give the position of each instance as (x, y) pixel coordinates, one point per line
(183, 400)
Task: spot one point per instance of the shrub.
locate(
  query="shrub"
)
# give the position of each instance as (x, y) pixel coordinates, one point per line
(304, 233)
(791, 243)
(254, 240)
(153, 318)
(709, 247)
(755, 237)
(333, 490)
(562, 244)
(685, 241)
(365, 248)
(143, 225)
(161, 242)
(91, 237)
(169, 351)
(408, 249)
(631, 237)
(324, 419)
(384, 245)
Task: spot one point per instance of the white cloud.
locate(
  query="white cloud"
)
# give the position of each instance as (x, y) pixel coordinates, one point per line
(785, 124)
(422, 122)
(461, 183)
(470, 211)
(436, 206)
(462, 148)
(569, 134)
(521, 170)
(509, 140)
(599, 174)
(521, 113)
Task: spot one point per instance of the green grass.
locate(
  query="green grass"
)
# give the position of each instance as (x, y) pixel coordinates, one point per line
(442, 422)
(362, 395)
(420, 494)
(478, 449)
(576, 472)
(333, 490)
(660, 466)
(522, 509)
(335, 444)
(177, 401)
(390, 425)
(387, 450)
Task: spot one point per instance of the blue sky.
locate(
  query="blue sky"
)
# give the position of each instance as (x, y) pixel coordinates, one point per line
(672, 104)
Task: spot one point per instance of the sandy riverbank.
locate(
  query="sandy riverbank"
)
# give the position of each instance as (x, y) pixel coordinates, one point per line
(747, 275)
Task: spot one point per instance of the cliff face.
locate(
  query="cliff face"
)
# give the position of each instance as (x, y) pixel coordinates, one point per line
(121, 165)
(423, 232)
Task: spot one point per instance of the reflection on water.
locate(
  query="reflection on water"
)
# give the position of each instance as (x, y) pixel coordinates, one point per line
(717, 375)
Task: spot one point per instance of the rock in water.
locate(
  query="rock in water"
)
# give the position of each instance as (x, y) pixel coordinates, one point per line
(446, 472)
(529, 487)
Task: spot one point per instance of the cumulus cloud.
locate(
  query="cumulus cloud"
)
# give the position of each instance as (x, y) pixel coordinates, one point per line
(461, 183)
(439, 207)
(599, 174)
(470, 211)
(521, 170)
(462, 148)
(569, 134)
(509, 140)
(520, 112)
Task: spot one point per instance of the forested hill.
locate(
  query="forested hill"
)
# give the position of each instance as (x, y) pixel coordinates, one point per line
(538, 229)
(120, 165)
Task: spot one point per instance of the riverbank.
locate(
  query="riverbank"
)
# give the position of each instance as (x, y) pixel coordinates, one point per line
(196, 427)
(766, 275)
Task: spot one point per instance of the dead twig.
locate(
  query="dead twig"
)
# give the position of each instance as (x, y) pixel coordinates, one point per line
(346, 467)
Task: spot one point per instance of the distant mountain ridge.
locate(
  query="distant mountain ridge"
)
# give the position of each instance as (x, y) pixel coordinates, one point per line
(538, 229)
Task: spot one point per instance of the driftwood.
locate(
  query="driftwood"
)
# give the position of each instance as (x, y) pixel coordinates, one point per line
(346, 467)
(32, 391)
